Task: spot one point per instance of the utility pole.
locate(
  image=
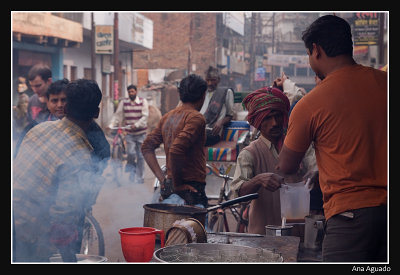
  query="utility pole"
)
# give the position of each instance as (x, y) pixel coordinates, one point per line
(93, 56)
(189, 62)
(252, 49)
(116, 62)
(381, 53)
(273, 46)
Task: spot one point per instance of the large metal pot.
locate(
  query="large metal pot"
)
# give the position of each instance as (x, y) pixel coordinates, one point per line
(162, 215)
(212, 252)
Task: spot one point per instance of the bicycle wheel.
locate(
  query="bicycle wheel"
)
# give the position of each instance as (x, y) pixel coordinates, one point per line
(118, 150)
(117, 155)
(92, 237)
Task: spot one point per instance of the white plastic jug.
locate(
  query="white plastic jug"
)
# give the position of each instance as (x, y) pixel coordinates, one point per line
(295, 200)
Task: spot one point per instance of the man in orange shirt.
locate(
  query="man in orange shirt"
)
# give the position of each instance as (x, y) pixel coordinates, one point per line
(346, 118)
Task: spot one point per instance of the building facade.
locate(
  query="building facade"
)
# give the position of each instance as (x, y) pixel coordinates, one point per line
(190, 43)
(64, 41)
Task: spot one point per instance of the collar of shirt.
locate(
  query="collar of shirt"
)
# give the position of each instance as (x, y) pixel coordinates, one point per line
(78, 130)
(137, 100)
(210, 93)
(271, 147)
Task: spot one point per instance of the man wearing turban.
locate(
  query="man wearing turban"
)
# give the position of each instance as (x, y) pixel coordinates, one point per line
(255, 169)
(272, 103)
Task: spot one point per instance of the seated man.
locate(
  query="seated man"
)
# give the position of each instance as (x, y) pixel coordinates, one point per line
(217, 107)
(255, 170)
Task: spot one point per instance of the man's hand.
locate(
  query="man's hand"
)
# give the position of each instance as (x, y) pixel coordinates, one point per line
(269, 181)
(217, 127)
(279, 80)
(184, 187)
(314, 178)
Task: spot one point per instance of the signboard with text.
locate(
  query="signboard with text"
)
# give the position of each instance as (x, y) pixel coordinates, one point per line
(366, 28)
(104, 40)
(300, 61)
(260, 74)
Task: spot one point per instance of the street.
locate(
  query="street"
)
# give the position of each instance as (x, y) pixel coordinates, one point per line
(288, 110)
(121, 207)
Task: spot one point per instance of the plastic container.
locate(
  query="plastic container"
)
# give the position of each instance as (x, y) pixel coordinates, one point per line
(138, 243)
(295, 200)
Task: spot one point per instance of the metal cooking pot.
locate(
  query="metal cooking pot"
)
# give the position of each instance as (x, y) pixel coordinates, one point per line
(212, 252)
(314, 231)
(163, 215)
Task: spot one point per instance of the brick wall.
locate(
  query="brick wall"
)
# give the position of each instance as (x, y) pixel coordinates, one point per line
(171, 42)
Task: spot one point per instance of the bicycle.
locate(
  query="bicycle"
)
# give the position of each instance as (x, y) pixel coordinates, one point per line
(92, 236)
(217, 220)
(119, 152)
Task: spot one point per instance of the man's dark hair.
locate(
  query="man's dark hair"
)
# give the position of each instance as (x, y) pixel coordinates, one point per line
(131, 87)
(41, 70)
(57, 87)
(330, 32)
(192, 88)
(83, 99)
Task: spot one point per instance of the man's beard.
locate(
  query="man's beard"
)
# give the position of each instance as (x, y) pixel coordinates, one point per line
(132, 97)
(276, 132)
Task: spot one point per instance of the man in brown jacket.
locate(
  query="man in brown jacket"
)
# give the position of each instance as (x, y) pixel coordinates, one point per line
(182, 130)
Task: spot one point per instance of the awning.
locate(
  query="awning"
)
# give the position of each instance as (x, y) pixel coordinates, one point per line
(45, 28)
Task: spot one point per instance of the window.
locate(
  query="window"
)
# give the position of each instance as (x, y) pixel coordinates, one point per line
(289, 71)
(87, 73)
(74, 73)
(301, 71)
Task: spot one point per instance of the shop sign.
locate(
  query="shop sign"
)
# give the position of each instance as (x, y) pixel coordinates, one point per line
(366, 28)
(260, 74)
(104, 41)
(300, 61)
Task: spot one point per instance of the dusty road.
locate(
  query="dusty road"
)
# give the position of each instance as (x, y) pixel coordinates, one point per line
(121, 207)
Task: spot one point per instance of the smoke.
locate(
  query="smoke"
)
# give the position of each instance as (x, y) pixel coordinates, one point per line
(116, 206)
(120, 205)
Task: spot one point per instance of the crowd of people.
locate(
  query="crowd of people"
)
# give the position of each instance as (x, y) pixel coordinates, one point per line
(336, 135)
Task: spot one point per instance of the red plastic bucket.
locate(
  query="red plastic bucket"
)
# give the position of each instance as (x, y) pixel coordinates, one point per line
(138, 243)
